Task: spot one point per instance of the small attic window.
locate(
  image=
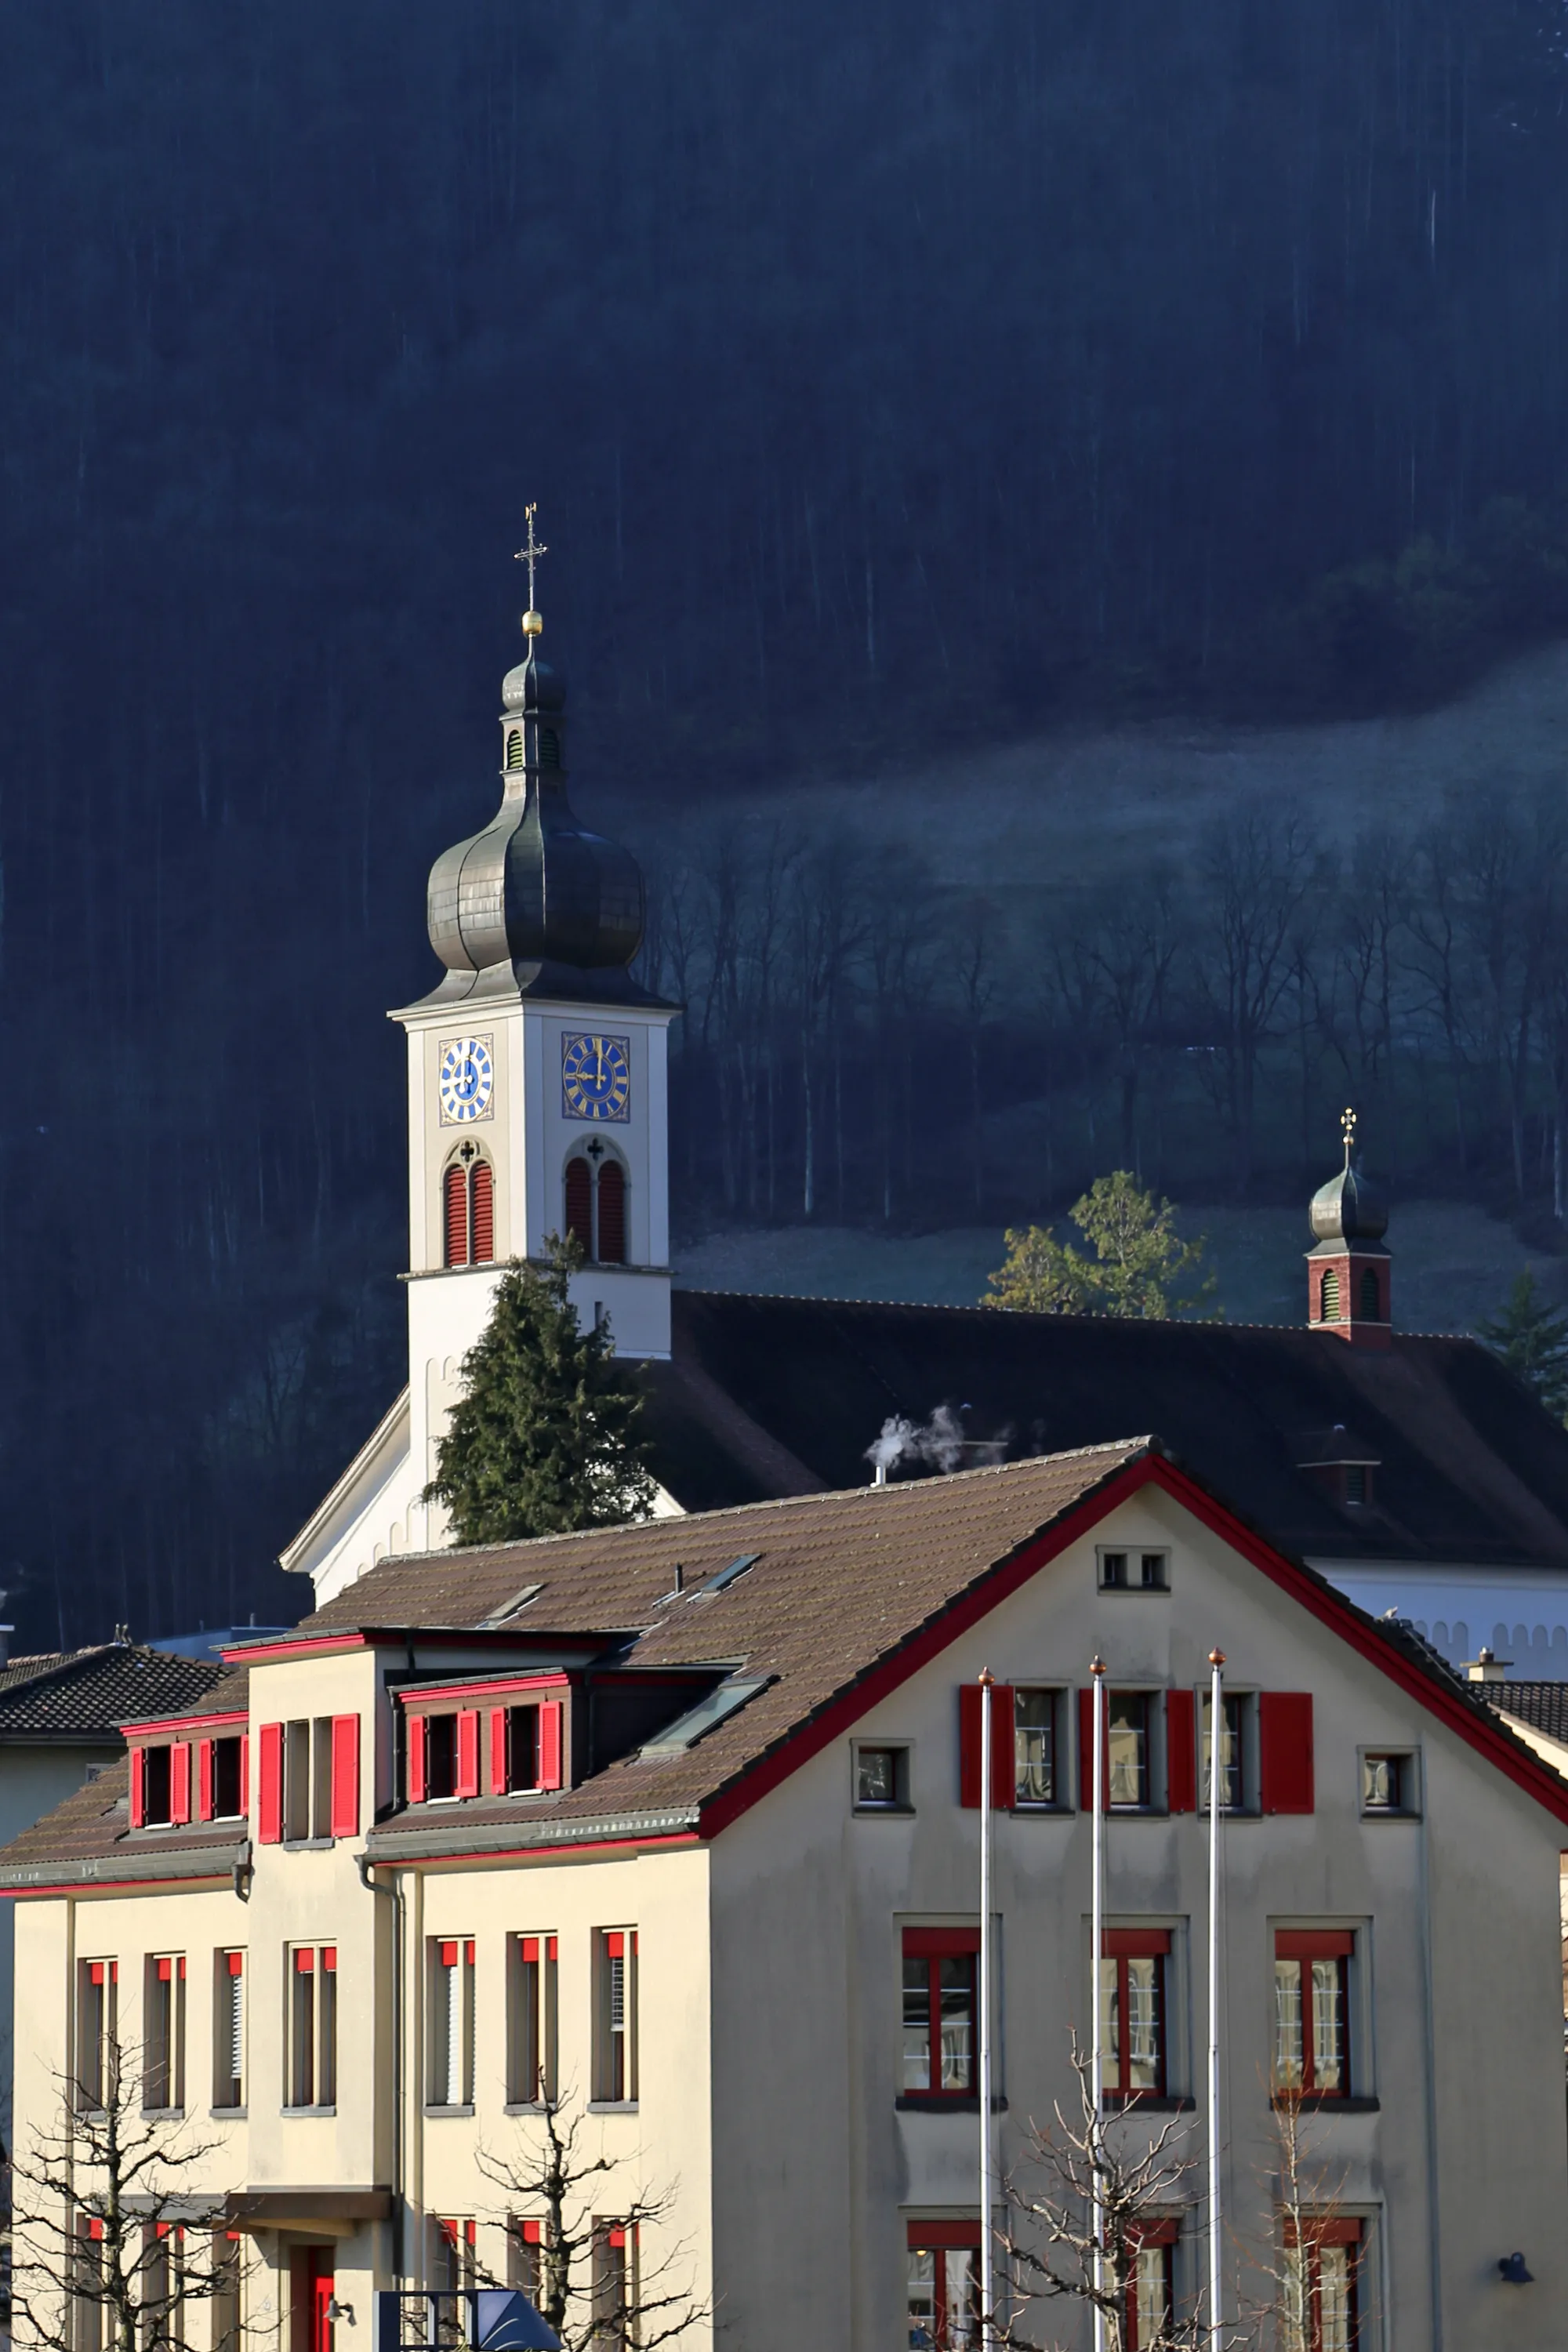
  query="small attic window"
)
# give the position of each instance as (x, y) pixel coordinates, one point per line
(727, 1575)
(513, 749)
(1331, 1296)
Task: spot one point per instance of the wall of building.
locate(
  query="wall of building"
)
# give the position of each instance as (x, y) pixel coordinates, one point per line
(33, 1782)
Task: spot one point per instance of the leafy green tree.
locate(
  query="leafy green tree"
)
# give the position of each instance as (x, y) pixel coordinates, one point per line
(1533, 1342)
(1141, 1265)
(544, 1438)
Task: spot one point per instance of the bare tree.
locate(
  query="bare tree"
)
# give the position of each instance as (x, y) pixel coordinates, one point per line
(113, 2222)
(1308, 2263)
(594, 2285)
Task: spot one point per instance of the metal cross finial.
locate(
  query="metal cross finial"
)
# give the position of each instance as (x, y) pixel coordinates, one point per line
(1347, 1128)
(530, 554)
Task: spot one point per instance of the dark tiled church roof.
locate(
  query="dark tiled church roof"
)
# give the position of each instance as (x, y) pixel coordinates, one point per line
(87, 1694)
(772, 1396)
(1544, 1705)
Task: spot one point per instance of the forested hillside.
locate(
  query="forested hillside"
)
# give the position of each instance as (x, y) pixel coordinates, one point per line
(893, 379)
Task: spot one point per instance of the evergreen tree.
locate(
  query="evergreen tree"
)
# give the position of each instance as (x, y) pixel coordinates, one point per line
(1533, 1342)
(1141, 1265)
(544, 1438)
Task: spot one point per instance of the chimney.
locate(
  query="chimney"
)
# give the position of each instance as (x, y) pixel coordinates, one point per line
(1487, 1668)
(6, 1634)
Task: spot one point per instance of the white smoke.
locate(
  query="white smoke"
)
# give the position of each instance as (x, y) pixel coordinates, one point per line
(938, 1445)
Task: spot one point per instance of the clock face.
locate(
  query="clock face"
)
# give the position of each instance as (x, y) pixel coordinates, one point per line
(596, 1077)
(467, 1081)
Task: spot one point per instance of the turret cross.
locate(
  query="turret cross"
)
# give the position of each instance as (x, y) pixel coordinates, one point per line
(531, 554)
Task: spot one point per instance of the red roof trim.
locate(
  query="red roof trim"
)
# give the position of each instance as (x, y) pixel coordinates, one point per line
(202, 1882)
(1000, 1582)
(421, 1695)
(176, 1726)
(628, 1845)
(301, 1645)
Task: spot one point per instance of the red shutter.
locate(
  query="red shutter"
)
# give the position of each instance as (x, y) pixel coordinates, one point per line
(329, 1959)
(482, 1213)
(416, 1759)
(939, 1942)
(1181, 1753)
(1004, 1772)
(1085, 1752)
(579, 1203)
(1285, 1751)
(1134, 1943)
(467, 1752)
(612, 1213)
(345, 1776)
(204, 1779)
(498, 1751)
(138, 1789)
(180, 1780)
(550, 1744)
(1314, 1944)
(455, 1197)
(245, 1771)
(269, 1800)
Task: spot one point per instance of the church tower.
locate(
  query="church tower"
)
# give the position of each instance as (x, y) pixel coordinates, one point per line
(1349, 1269)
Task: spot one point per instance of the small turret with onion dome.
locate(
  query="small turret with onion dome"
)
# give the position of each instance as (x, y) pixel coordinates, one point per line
(536, 903)
(1347, 1270)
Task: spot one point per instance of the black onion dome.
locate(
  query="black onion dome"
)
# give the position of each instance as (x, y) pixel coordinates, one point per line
(535, 887)
(1349, 1208)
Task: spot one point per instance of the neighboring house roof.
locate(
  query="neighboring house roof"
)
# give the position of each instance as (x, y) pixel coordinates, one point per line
(844, 1596)
(88, 1693)
(771, 1396)
(1544, 1705)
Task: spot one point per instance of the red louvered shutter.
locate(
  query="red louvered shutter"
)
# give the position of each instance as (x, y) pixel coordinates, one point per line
(416, 1759)
(1004, 1780)
(612, 1213)
(550, 1744)
(1086, 1751)
(270, 1797)
(579, 1203)
(1285, 1751)
(482, 1216)
(138, 1789)
(454, 1200)
(498, 1751)
(180, 1780)
(1181, 1753)
(245, 1771)
(345, 1776)
(467, 1752)
(204, 1779)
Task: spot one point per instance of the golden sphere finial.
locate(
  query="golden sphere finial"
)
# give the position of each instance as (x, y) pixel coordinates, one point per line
(533, 623)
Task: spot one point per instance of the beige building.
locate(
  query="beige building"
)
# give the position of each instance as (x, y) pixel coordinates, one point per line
(679, 1824)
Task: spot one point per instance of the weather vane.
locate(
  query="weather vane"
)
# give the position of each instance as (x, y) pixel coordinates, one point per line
(1347, 1125)
(532, 621)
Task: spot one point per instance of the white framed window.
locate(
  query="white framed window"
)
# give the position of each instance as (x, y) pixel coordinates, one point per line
(531, 2030)
(311, 2043)
(615, 2015)
(451, 2021)
(163, 2037)
(229, 2029)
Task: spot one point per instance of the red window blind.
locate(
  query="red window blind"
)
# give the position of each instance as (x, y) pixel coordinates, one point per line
(498, 1751)
(269, 1799)
(940, 1943)
(329, 1959)
(204, 1779)
(482, 1213)
(612, 1213)
(468, 1783)
(1135, 1943)
(416, 1759)
(180, 1780)
(579, 1203)
(235, 1963)
(454, 1203)
(138, 1789)
(345, 1776)
(922, 2235)
(304, 1961)
(1182, 1752)
(1285, 1751)
(536, 1946)
(1004, 1774)
(531, 2232)
(550, 1756)
(1314, 1944)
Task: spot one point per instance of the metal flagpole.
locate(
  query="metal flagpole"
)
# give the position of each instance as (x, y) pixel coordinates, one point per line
(987, 2191)
(1096, 1941)
(1216, 1748)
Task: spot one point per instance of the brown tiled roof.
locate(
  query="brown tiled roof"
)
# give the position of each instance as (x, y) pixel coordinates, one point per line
(91, 1691)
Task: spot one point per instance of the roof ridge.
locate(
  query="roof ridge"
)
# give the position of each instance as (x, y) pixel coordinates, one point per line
(1040, 1315)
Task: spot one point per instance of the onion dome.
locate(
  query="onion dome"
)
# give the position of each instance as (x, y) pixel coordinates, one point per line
(536, 892)
(1349, 1208)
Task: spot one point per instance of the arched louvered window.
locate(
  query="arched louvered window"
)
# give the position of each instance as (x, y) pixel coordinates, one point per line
(612, 1207)
(548, 747)
(454, 1207)
(1330, 1294)
(1371, 1310)
(514, 747)
(579, 1203)
(481, 1213)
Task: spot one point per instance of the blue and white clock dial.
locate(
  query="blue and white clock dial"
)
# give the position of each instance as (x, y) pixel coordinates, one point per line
(467, 1081)
(596, 1076)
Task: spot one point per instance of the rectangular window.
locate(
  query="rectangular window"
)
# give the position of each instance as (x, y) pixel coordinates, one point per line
(1151, 2300)
(441, 1757)
(528, 2263)
(531, 2074)
(89, 2319)
(518, 1746)
(616, 2040)
(297, 1780)
(157, 1787)
(227, 1778)
(454, 2271)
(310, 2056)
(1135, 1571)
(1388, 1783)
(163, 2058)
(1035, 1748)
(451, 2034)
(162, 2285)
(1322, 2263)
(881, 1778)
(1232, 1753)
(228, 2030)
(614, 2286)
(940, 1966)
(1133, 2000)
(1312, 2012)
(1127, 1752)
(226, 2313)
(943, 2293)
(98, 2031)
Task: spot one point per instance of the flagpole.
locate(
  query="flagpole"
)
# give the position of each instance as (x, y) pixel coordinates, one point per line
(1097, 2037)
(987, 2186)
(1216, 1748)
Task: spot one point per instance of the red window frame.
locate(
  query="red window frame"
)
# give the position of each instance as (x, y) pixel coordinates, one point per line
(1119, 1945)
(1141, 2237)
(925, 1950)
(941, 2241)
(1305, 1949)
(1338, 2229)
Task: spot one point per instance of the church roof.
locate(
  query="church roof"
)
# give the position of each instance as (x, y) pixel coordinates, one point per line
(774, 1396)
